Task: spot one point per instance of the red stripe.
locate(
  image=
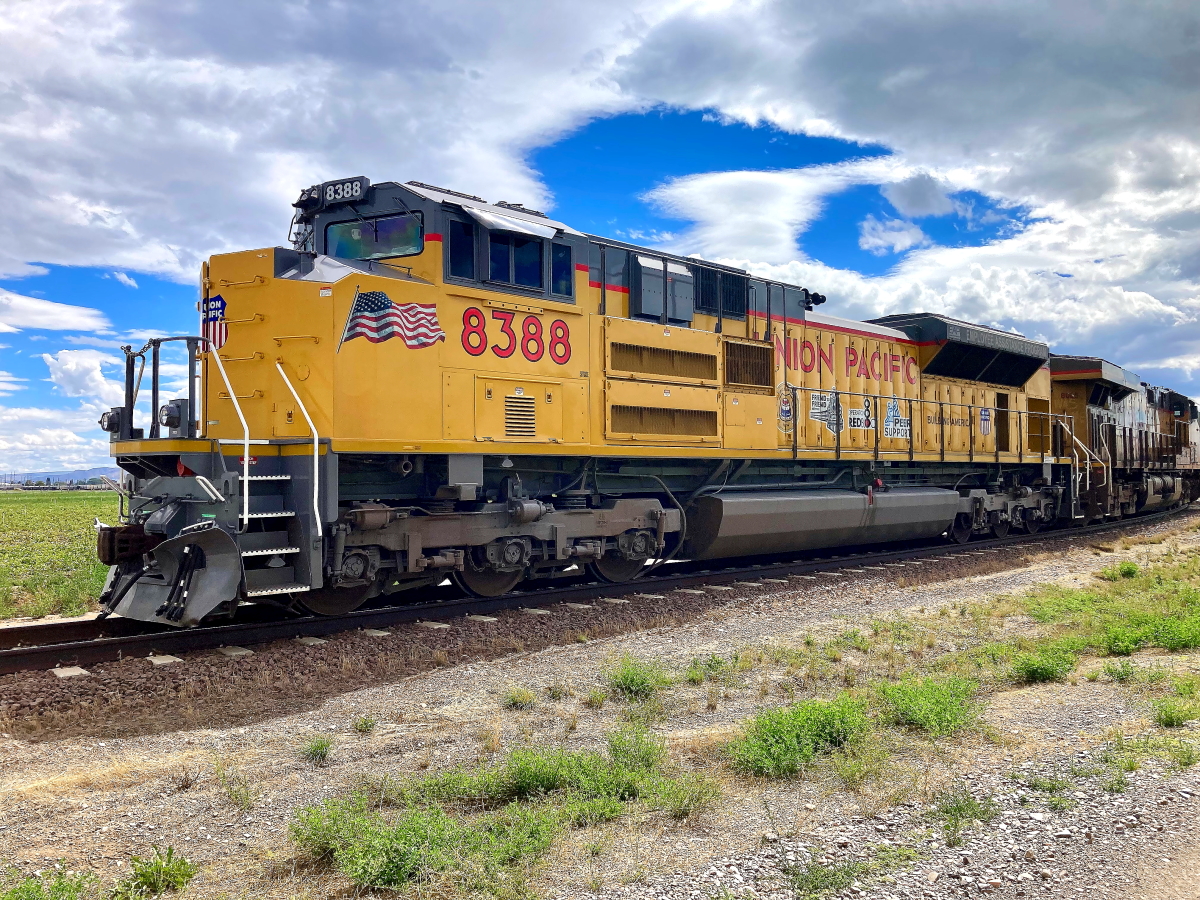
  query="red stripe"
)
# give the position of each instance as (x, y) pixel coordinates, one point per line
(581, 267)
(433, 236)
(1076, 372)
(611, 287)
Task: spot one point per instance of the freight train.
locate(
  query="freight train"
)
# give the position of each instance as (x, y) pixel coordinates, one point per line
(424, 385)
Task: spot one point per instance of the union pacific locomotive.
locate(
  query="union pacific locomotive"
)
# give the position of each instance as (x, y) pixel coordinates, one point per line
(426, 385)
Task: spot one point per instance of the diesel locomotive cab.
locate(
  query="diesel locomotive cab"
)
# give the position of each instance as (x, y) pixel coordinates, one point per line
(424, 385)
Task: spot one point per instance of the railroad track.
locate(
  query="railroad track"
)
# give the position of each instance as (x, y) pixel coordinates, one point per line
(83, 642)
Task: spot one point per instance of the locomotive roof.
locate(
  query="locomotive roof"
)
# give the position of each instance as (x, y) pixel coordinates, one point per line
(1093, 368)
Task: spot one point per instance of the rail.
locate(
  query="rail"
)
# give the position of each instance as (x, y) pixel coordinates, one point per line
(316, 448)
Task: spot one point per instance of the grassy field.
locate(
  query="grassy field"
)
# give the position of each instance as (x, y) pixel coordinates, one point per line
(48, 559)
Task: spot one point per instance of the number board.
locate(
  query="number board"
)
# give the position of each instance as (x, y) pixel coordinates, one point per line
(345, 190)
(534, 341)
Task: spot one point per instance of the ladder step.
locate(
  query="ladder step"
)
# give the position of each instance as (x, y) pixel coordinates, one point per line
(267, 477)
(274, 514)
(271, 551)
(277, 589)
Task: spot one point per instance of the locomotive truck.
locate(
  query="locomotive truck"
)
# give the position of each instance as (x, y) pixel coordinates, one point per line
(423, 385)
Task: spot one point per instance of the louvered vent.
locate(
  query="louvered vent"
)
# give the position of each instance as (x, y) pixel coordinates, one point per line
(748, 364)
(660, 361)
(520, 417)
(653, 420)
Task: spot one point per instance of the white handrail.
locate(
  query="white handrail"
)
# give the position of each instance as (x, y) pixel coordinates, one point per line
(316, 449)
(237, 407)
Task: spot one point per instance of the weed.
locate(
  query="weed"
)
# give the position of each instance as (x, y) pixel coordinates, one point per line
(1061, 804)
(1121, 640)
(595, 698)
(636, 749)
(558, 690)
(709, 668)
(1120, 671)
(489, 739)
(712, 697)
(1116, 783)
(1186, 686)
(815, 880)
(1122, 570)
(365, 724)
(684, 796)
(646, 712)
(1046, 664)
(631, 678)
(938, 705)
(857, 763)
(780, 742)
(186, 778)
(56, 885)
(235, 785)
(856, 640)
(1046, 784)
(957, 809)
(570, 723)
(1171, 712)
(317, 750)
(1183, 755)
(1093, 675)
(520, 698)
(156, 874)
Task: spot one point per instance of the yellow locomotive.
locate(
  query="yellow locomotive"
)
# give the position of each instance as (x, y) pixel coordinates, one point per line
(426, 385)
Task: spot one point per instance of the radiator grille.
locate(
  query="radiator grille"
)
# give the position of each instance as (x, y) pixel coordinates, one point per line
(520, 417)
(748, 364)
(661, 361)
(653, 420)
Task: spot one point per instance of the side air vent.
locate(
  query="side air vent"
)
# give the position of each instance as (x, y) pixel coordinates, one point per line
(748, 364)
(654, 420)
(520, 417)
(660, 361)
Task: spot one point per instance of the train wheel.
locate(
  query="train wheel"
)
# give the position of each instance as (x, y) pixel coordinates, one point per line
(486, 582)
(1033, 526)
(335, 601)
(1000, 529)
(960, 531)
(615, 569)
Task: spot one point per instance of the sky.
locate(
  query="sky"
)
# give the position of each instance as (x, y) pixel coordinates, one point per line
(1030, 166)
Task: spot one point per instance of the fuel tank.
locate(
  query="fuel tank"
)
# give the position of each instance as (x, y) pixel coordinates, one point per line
(725, 525)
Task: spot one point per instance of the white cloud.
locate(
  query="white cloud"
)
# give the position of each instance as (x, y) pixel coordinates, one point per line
(18, 311)
(919, 195)
(889, 236)
(77, 373)
(126, 280)
(34, 439)
(10, 383)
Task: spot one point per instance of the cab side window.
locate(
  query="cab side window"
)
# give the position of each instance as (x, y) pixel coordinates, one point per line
(461, 249)
(515, 259)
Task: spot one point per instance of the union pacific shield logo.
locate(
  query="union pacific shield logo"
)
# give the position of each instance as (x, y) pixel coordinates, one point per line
(212, 326)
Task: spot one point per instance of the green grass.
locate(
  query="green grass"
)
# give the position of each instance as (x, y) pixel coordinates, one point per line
(365, 724)
(631, 678)
(938, 705)
(317, 750)
(156, 874)
(777, 743)
(47, 886)
(957, 810)
(519, 698)
(1172, 712)
(484, 829)
(1046, 784)
(1123, 570)
(48, 559)
(815, 880)
(1044, 664)
(709, 668)
(1120, 671)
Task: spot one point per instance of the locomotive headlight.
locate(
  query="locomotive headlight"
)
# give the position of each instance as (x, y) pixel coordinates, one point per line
(111, 421)
(168, 416)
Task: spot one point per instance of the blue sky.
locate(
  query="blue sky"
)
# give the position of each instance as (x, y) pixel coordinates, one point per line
(948, 157)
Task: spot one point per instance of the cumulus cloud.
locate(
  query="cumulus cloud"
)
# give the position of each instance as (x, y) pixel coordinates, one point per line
(18, 311)
(919, 195)
(78, 373)
(126, 280)
(889, 236)
(36, 439)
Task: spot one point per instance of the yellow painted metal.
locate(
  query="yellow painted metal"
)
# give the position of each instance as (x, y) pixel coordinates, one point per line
(528, 375)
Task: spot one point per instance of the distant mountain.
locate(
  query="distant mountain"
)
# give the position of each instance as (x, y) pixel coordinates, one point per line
(78, 475)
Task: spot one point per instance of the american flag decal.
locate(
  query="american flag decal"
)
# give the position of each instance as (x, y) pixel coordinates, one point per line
(375, 317)
(212, 325)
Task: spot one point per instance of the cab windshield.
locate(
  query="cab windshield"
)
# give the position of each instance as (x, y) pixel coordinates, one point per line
(386, 236)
